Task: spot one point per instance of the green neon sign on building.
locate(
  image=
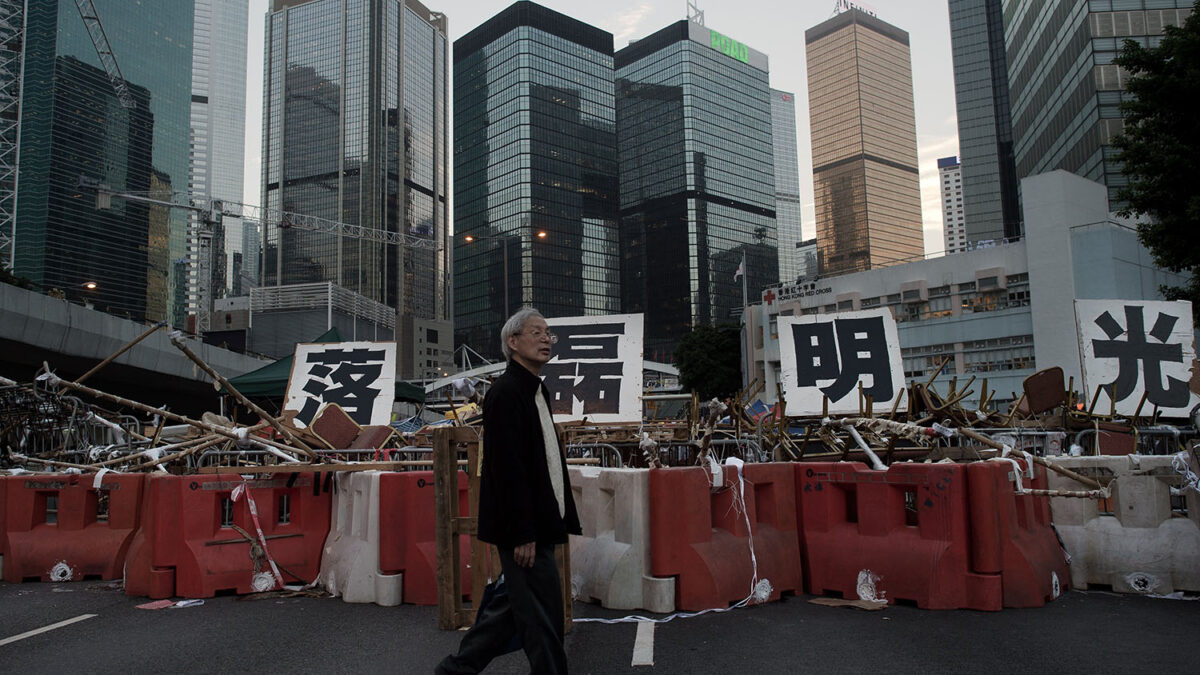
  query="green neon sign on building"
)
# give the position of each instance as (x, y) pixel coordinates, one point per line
(730, 47)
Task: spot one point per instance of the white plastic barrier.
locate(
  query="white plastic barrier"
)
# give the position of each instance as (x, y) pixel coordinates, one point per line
(610, 562)
(1142, 546)
(350, 559)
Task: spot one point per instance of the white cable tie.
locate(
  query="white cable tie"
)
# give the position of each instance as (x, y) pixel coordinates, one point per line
(273, 450)
(718, 477)
(948, 432)
(99, 477)
(1017, 471)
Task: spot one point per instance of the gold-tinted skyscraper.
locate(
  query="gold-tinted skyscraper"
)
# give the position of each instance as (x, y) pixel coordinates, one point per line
(864, 144)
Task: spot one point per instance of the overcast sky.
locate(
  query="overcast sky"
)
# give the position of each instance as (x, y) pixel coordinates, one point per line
(766, 25)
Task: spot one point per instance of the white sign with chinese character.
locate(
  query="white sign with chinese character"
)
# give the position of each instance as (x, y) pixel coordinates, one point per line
(830, 355)
(358, 376)
(596, 368)
(1135, 348)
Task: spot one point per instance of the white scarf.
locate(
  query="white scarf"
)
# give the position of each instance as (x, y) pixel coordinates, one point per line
(553, 457)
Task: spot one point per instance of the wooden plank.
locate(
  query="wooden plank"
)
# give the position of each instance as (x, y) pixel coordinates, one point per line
(399, 465)
(480, 570)
(311, 468)
(563, 554)
(445, 499)
(465, 525)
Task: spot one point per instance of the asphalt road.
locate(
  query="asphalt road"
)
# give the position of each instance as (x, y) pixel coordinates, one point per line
(1081, 632)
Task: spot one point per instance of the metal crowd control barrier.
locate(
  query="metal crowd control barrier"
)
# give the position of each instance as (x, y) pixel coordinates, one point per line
(1156, 440)
(585, 449)
(42, 422)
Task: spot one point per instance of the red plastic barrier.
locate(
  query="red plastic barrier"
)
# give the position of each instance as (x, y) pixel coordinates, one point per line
(1012, 534)
(407, 541)
(63, 519)
(3, 515)
(700, 537)
(908, 525)
(188, 531)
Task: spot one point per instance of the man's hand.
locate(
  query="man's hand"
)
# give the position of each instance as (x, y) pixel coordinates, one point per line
(524, 553)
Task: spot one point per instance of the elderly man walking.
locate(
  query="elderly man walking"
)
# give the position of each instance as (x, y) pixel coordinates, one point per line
(525, 508)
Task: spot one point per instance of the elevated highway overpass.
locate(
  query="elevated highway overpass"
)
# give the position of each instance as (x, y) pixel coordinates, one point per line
(72, 339)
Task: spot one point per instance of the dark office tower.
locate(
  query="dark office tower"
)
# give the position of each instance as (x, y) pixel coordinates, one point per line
(985, 134)
(127, 131)
(354, 111)
(535, 172)
(1065, 89)
(866, 185)
(697, 179)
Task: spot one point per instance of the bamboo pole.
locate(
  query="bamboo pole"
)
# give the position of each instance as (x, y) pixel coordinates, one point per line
(211, 428)
(208, 441)
(121, 351)
(976, 436)
(177, 340)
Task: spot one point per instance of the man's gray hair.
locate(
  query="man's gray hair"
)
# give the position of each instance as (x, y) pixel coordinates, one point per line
(514, 325)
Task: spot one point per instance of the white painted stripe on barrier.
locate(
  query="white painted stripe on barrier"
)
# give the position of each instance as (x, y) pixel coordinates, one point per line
(643, 644)
(46, 629)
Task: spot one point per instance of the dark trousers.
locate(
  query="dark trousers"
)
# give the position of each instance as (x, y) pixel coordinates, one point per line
(532, 609)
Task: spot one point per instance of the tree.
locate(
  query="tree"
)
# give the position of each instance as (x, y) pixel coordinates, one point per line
(7, 277)
(1160, 149)
(709, 360)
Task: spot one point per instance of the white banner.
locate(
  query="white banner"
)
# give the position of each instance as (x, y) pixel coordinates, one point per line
(358, 376)
(596, 369)
(1131, 348)
(828, 355)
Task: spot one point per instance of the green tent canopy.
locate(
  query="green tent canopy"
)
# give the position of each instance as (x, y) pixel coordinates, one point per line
(271, 380)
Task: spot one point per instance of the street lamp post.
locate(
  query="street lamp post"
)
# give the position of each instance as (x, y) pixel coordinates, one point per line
(504, 248)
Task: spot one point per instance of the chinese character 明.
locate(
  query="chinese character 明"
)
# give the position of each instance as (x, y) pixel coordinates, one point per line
(860, 349)
(1135, 349)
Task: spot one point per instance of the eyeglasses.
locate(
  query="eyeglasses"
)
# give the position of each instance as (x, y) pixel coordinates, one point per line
(539, 334)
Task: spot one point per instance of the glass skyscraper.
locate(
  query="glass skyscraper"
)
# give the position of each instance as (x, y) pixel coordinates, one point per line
(991, 205)
(129, 134)
(535, 172)
(218, 138)
(697, 179)
(787, 183)
(354, 112)
(1064, 87)
(866, 184)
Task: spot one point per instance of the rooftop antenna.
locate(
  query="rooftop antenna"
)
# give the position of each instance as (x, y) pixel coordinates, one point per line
(694, 13)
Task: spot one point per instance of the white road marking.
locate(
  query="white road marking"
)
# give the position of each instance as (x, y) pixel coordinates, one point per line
(45, 629)
(643, 644)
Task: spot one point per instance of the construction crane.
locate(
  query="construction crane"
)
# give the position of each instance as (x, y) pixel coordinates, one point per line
(87, 12)
(12, 42)
(12, 47)
(212, 211)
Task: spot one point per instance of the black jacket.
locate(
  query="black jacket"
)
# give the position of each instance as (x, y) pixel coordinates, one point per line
(516, 500)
